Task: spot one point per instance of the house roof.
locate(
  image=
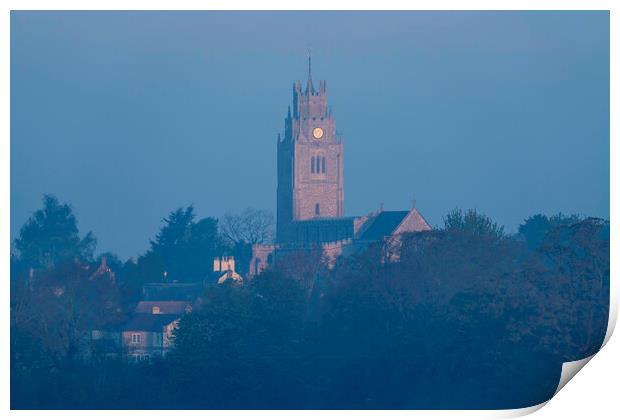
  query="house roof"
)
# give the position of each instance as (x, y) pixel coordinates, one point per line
(384, 224)
(165, 307)
(149, 322)
(172, 291)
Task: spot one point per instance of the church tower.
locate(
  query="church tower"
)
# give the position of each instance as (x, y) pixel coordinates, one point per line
(310, 161)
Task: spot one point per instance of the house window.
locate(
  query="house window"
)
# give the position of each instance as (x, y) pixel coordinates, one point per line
(156, 310)
(312, 165)
(136, 338)
(317, 209)
(323, 165)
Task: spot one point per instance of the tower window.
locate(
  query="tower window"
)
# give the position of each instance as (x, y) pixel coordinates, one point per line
(323, 165)
(312, 165)
(317, 209)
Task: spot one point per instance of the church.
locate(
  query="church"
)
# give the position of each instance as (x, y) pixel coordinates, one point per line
(310, 189)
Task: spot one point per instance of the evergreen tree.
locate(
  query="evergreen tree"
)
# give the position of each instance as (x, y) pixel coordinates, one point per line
(51, 236)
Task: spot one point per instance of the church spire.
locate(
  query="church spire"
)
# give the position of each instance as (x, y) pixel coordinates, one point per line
(310, 86)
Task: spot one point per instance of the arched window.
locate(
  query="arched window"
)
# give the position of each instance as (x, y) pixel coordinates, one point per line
(317, 209)
(312, 165)
(323, 165)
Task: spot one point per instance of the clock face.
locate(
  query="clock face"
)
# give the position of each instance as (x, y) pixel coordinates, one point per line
(317, 133)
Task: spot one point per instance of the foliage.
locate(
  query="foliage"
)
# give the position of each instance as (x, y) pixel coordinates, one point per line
(465, 317)
(57, 307)
(471, 222)
(536, 227)
(50, 236)
(183, 249)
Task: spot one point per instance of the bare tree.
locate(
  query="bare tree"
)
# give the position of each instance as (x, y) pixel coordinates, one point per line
(249, 227)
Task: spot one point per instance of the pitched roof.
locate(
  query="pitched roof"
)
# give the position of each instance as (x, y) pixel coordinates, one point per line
(172, 291)
(414, 222)
(165, 307)
(383, 224)
(149, 322)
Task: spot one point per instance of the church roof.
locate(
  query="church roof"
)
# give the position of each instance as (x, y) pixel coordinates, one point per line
(414, 222)
(384, 224)
(342, 219)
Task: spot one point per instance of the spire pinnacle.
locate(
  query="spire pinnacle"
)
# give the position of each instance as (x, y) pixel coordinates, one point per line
(310, 86)
(309, 64)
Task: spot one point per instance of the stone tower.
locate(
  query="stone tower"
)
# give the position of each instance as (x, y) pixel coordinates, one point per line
(310, 161)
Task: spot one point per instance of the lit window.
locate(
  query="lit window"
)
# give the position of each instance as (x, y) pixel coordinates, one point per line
(156, 309)
(136, 338)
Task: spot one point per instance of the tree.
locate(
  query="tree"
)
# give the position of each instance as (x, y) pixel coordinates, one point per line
(250, 227)
(241, 345)
(536, 227)
(303, 266)
(471, 222)
(64, 303)
(174, 232)
(576, 264)
(183, 248)
(202, 245)
(51, 236)
(241, 231)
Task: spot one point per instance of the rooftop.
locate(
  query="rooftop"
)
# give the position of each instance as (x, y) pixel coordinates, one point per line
(164, 306)
(149, 322)
(172, 291)
(384, 224)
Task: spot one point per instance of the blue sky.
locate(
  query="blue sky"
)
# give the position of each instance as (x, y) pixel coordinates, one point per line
(128, 115)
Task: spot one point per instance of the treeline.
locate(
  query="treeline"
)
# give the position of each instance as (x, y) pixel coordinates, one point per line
(464, 316)
(182, 250)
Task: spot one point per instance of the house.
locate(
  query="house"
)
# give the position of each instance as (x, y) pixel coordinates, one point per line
(224, 271)
(149, 331)
(148, 335)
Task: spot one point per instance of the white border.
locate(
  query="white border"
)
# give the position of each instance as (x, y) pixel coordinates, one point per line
(573, 405)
